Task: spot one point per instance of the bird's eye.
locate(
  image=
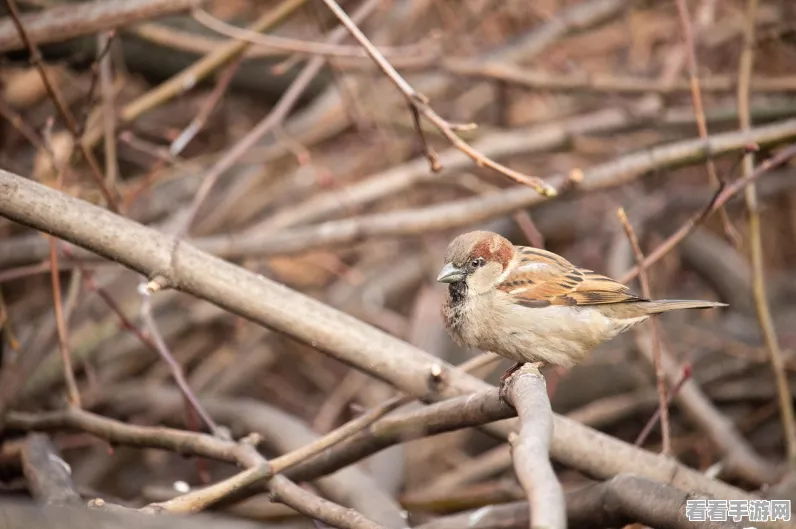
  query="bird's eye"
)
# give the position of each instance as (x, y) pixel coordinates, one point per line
(475, 263)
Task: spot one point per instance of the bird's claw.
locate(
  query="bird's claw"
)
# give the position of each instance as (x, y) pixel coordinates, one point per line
(503, 386)
(503, 392)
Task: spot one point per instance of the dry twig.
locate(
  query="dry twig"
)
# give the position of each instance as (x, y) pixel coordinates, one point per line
(419, 104)
(174, 366)
(104, 41)
(605, 82)
(60, 320)
(660, 377)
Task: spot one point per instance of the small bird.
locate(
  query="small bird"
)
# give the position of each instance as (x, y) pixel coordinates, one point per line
(531, 305)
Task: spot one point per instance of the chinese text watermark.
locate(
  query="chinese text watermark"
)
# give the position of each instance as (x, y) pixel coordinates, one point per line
(737, 510)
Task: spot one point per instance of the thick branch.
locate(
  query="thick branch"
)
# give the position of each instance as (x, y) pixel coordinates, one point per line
(527, 392)
(242, 453)
(83, 18)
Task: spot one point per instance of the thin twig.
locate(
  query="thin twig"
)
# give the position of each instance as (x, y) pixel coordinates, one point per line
(756, 244)
(660, 376)
(656, 416)
(60, 322)
(61, 312)
(428, 150)
(421, 104)
(103, 47)
(197, 123)
(63, 110)
(282, 463)
(696, 96)
(105, 66)
(286, 44)
(599, 82)
(176, 369)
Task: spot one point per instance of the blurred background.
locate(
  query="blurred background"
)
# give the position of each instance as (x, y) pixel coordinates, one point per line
(333, 196)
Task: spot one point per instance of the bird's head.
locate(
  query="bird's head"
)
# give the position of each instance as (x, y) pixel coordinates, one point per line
(478, 259)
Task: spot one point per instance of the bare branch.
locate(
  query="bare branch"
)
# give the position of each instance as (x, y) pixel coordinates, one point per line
(699, 111)
(420, 103)
(527, 392)
(660, 377)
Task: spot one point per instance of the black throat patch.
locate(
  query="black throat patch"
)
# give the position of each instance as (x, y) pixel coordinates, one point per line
(458, 292)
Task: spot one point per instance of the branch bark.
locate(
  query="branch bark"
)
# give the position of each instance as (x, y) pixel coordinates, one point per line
(73, 20)
(527, 392)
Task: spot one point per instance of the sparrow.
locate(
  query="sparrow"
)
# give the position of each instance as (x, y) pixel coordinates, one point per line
(531, 305)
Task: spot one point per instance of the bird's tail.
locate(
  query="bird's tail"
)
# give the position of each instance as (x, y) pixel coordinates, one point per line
(665, 305)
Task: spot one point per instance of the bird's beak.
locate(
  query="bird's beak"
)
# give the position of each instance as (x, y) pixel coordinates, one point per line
(450, 274)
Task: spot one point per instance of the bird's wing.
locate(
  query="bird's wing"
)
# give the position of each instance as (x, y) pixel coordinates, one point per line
(541, 278)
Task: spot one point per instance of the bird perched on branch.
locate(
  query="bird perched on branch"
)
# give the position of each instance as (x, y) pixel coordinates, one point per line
(531, 305)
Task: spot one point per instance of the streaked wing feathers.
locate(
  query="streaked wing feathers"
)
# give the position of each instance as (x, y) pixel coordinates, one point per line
(543, 278)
